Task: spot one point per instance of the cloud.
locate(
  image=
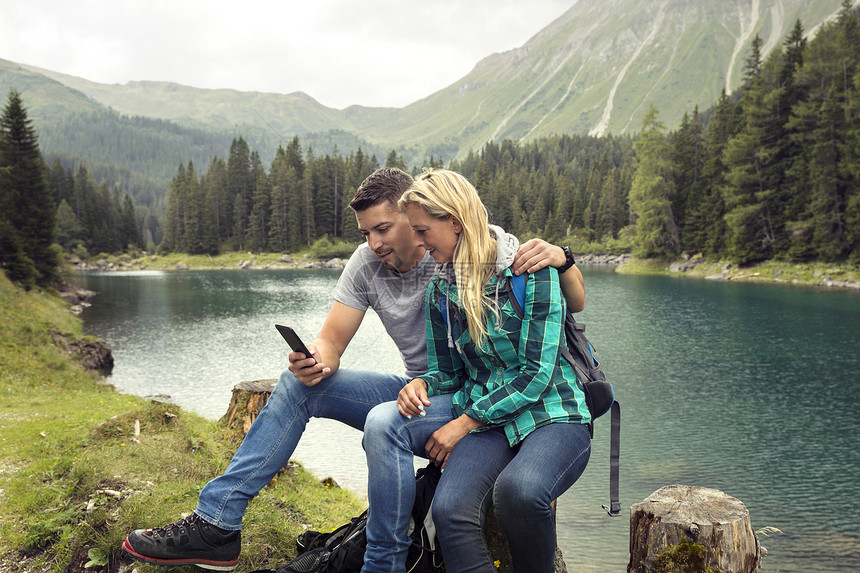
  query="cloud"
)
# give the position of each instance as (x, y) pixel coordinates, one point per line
(340, 52)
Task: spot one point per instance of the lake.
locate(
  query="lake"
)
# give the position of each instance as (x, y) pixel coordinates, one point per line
(747, 388)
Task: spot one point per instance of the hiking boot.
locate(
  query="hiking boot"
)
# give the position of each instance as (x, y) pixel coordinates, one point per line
(189, 541)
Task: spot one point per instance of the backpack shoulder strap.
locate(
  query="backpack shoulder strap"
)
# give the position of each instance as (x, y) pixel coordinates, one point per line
(516, 290)
(614, 509)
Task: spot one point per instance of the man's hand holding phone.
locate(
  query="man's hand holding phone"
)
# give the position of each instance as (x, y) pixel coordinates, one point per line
(308, 369)
(305, 363)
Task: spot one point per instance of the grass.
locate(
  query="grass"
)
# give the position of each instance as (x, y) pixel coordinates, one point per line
(322, 249)
(75, 479)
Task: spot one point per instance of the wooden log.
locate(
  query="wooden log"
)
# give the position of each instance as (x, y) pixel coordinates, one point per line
(248, 400)
(246, 403)
(707, 517)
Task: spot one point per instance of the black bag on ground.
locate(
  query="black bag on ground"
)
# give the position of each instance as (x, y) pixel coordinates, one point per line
(342, 550)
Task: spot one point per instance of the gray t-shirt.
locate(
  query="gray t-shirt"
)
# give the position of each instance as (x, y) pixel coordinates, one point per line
(398, 299)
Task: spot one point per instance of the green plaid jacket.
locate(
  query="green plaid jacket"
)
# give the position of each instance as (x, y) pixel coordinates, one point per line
(518, 380)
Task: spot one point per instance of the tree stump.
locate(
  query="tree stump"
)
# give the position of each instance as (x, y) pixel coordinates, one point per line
(708, 517)
(245, 405)
(248, 400)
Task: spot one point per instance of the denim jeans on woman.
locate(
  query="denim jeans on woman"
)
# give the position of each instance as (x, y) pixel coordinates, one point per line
(346, 396)
(482, 470)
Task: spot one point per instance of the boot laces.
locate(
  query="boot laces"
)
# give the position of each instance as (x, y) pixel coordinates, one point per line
(185, 522)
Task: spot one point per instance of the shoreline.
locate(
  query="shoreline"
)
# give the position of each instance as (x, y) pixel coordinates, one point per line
(819, 274)
(815, 274)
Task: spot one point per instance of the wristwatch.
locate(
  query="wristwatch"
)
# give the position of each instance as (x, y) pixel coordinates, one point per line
(569, 261)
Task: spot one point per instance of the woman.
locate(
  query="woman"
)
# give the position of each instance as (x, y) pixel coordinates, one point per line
(499, 407)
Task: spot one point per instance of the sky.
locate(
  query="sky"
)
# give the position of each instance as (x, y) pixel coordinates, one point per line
(340, 52)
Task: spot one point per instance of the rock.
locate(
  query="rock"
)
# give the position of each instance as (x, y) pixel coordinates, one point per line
(683, 267)
(72, 294)
(180, 266)
(335, 263)
(93, 353)
(592, 259)
(285, 258)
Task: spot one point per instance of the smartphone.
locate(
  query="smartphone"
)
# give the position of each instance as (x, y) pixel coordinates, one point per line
(293, 340)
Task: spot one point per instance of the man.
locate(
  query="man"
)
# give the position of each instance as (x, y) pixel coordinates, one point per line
(388, 273)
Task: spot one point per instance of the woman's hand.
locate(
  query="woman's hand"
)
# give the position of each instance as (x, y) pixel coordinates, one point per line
(443, 440)
(412, 398)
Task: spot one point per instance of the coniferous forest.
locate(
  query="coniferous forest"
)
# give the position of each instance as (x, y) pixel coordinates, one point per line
(41, 207)
(771, 171)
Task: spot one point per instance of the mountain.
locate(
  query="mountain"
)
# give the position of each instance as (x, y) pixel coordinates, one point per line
(596, 69)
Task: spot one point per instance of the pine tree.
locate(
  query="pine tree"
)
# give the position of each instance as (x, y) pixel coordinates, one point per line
(308, 189)
(25, 196)
(720, 130)
(130, 233)
(749, 191)
(821, 125)
(325, 198)
(258, 224)
(68, 229)
(689, 154)
(240, 190)
(213, 185)
(174, 216)
(194, 213)
(285, 220)
(652, 192)
(13, 257)
(394, 160)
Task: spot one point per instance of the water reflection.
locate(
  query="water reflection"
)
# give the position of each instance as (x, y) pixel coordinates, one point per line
(747, 388)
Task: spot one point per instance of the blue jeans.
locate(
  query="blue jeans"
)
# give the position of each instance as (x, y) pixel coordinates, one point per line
(391, 442)
(483, 469)
(346, 396)
(520, 483)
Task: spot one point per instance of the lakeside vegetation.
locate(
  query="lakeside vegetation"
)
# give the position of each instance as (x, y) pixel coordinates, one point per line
(769, 173)
(811, 274)
(75, 479)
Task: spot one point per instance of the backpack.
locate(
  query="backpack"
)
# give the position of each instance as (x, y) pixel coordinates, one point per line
(599, 394)
(342, 550)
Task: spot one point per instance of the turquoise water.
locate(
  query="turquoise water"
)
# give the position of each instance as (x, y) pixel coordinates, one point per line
(751, 389)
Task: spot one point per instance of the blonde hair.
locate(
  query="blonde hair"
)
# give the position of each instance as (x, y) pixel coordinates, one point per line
(444, 194)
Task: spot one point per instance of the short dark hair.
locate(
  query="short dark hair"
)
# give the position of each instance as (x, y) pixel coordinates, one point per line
(386, 184)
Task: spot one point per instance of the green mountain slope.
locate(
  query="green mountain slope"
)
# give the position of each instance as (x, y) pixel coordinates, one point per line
(222, 109)
(46, 99)
(597, 68)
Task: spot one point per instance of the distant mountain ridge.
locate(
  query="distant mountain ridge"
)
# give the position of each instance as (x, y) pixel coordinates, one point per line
(595, 69)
